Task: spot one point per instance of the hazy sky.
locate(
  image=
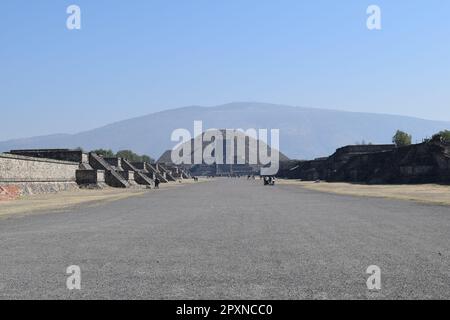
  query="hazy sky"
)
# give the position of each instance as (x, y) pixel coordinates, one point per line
(135, 57)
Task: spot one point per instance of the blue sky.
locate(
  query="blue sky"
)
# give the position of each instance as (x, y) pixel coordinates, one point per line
(136, 57)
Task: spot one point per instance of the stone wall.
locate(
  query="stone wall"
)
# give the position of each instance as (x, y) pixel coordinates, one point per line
(91, 178)
(55, 154)
(21, 175)
(427, 162)
(419, 163)
(15, 168)
(114, 162)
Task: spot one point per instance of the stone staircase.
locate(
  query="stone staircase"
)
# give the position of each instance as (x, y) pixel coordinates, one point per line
(139, 176)
(167, 173)
(112, 178)
(152, 171)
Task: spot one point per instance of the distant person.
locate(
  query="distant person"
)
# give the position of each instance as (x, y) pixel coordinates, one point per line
(269, 180)
(157, 182)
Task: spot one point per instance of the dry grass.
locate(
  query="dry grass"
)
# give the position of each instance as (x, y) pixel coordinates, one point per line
(62, 200)
(425, 193)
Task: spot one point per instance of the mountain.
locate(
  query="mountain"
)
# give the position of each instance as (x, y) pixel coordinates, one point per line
(305, 133)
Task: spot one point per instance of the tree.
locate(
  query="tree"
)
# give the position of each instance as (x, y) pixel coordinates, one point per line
(128, 154)
(104, 153)
(134, 157)
(146, 158)
(401, 139)
(444, 134)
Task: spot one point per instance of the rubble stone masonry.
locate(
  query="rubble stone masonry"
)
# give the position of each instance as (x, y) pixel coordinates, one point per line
(15, 168)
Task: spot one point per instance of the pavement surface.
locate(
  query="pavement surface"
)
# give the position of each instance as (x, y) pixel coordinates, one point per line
(229, 239)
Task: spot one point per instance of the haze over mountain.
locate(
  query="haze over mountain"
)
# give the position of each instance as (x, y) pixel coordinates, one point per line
(305, 133)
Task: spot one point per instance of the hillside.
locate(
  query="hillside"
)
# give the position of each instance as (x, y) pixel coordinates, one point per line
(304, 132)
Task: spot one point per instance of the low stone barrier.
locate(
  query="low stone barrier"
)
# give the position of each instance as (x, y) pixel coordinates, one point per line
(25, 175)
(92, 179)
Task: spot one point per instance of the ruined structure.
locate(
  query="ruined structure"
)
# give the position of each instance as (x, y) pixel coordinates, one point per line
(166, 173)
(427, 162)
(177, 172)
(55, 154)
(90, 178)
(26, 175)
(305, 170)
(85, 174)
(247, 163)
(150, 171)
(112, 177)
(52, 170)
(218, 170)
(123, 165)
